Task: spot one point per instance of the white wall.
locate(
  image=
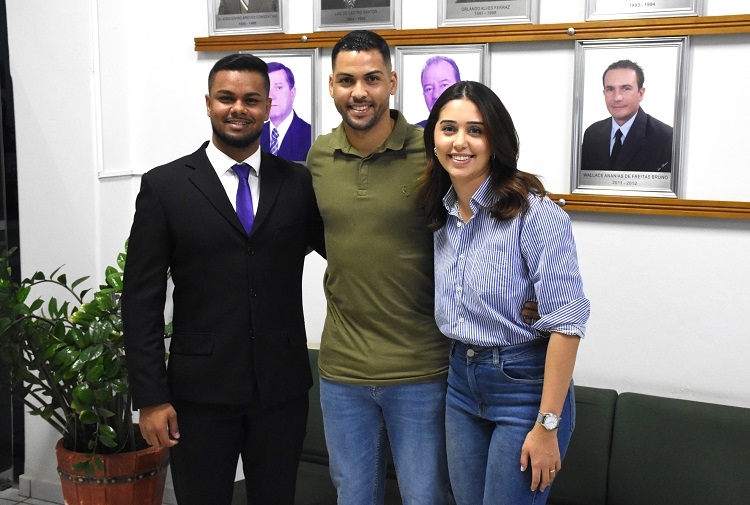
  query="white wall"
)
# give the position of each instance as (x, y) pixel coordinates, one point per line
(106, 90)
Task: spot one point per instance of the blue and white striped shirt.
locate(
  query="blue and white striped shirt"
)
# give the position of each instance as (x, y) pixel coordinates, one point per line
(486, 269)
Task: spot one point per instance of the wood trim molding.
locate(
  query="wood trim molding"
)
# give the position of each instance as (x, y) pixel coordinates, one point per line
(654, 27)
(660, 206)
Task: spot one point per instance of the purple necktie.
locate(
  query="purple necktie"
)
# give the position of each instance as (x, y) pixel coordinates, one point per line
(244, 198)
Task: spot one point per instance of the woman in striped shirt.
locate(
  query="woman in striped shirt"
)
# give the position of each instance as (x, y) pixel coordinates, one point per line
(499, 241)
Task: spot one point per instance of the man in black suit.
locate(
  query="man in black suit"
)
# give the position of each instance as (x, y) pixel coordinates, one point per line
(630, 140)
(238, 373)
(285, 134)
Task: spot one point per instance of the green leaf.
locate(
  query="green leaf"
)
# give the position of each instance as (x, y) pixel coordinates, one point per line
(105, 413)
(92, 308)
(84, 466)
(83, 394)
(38, 276)
(51, 350)
(87, 417)
(109, 442)
(78, 281)
(107, 431)
(95, 373)
(36, 305)
(87, 355)
(104, 300)
(114, 279)
(66, 356)
(47, 413)
(99, 463)
(22, 294)
(63, 279)
(77, 337)
(52, 307)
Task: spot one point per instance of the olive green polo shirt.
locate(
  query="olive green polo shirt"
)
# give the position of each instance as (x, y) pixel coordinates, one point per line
(380, 325)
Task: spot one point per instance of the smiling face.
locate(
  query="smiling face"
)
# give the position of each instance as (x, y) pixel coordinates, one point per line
(361, 86)
(238, 106)
(282, 96)
(437, 77)
(621, 94)
(461, 143)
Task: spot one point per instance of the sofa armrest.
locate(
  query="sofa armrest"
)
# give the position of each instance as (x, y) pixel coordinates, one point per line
(583, 478)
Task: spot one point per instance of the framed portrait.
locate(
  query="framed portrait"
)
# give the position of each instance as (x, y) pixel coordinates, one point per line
(628, 117)
(425, 71)
(487, 12)
(634, 9)
(233, 17)
(293, 125)
(356, 14)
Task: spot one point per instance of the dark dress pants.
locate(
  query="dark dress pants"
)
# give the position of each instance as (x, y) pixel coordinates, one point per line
(213, 437)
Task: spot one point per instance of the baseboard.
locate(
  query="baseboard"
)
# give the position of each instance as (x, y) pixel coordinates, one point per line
(40, 489)
(52, 492)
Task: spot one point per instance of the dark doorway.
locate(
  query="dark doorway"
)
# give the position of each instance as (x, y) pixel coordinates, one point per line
(11, 411)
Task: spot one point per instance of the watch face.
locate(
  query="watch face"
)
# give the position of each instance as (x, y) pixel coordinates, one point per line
(550, 422)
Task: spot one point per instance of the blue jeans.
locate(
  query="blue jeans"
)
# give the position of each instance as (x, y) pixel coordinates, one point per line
(360, 420)
(492, 403)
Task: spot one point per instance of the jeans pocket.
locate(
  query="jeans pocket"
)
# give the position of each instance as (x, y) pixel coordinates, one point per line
(526, 368)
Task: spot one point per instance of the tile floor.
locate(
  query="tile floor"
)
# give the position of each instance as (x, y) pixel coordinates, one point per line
(10, 496)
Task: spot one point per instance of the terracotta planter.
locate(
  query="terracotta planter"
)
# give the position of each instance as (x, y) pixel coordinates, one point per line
(131, 478)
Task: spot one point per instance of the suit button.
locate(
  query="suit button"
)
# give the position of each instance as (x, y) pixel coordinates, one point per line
(250, 251)
(253, 293)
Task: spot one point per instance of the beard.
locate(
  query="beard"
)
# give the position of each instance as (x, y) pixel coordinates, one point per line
(358, 125)
(236, 141)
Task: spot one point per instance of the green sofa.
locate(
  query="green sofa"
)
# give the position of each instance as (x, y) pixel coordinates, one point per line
(627, 449)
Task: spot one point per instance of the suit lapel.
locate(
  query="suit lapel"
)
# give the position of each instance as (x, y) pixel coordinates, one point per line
(635, 136)
(271, 180)
(205, 179)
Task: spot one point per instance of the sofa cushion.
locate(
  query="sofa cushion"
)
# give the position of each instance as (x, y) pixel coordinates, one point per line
(583, 477)
(670, 451)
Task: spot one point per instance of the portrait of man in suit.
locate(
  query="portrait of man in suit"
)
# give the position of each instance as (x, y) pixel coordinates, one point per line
(438, 73)
(285, 134)
(630, 140)
(248, 6)
(232, 225)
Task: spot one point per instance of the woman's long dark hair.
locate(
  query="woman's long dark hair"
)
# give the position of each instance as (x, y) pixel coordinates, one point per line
(510, 184)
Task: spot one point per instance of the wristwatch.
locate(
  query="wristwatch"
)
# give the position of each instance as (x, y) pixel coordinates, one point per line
(549, 420)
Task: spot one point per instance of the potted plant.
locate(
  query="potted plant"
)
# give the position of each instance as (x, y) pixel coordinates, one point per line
(65, 353)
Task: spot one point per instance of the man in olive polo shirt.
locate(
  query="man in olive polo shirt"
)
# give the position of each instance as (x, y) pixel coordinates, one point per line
(383, 362)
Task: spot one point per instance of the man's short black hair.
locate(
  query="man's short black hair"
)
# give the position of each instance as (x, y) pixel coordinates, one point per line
(242, 62)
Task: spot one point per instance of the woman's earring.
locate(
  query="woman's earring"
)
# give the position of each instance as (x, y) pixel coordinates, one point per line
(493, 156)
(434, 149)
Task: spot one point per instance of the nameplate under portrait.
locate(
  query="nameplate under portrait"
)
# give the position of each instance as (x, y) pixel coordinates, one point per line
(635, 9)
(487, 12)
(356, 14)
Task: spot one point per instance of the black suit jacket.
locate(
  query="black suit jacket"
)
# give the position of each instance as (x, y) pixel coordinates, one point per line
(647, 148)
(238, 319)
(296, 142)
